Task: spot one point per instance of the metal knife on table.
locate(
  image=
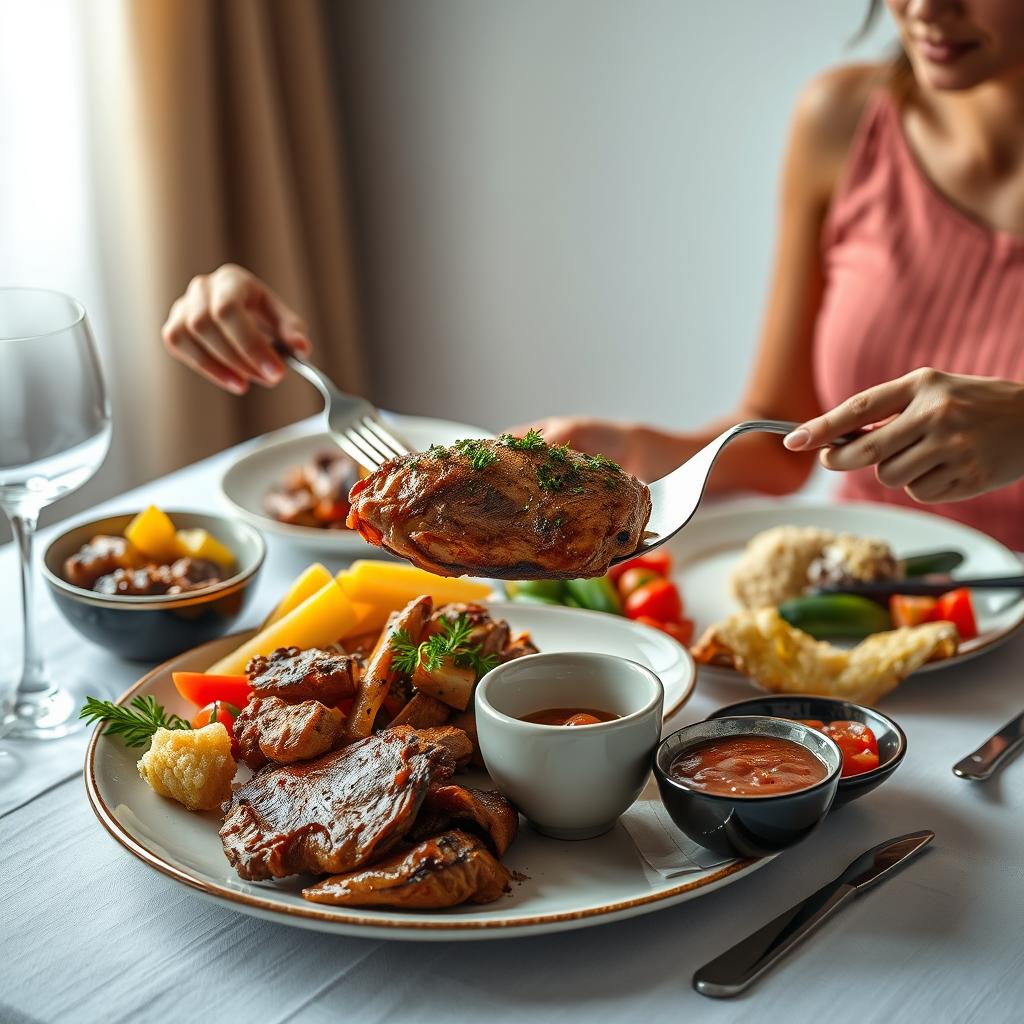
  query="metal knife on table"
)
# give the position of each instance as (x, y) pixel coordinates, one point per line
(739, 967)
(993, 753)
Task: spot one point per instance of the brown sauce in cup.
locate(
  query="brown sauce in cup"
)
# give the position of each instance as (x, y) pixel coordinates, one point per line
(569, 716)
(748, 766)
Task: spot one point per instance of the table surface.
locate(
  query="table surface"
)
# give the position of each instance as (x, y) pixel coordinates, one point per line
(91, 934)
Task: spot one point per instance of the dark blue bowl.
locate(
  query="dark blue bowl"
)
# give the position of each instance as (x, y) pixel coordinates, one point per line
(156, 628)
(892, 740)
(747, 826)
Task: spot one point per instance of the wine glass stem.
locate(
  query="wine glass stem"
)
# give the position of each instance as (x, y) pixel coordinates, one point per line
(33, 675)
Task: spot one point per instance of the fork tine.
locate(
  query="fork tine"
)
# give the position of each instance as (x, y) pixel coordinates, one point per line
(385, 435)
(372, 442)
(353, 446)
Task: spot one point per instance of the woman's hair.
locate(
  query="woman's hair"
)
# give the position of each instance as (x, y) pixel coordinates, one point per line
(899, 75)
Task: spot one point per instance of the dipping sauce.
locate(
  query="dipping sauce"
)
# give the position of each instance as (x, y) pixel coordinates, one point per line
(748, 766)
(569, 716)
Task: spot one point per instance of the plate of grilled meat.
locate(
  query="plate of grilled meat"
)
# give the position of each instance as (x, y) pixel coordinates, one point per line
(335, 782)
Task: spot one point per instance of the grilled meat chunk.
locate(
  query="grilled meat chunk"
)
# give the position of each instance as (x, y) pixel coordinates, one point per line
(442, 871)
(268, 729)
(482, 810)
(422, 711)
(180, 577)
(100, 557)
(297, 675)
(341, 811)
(514, 508)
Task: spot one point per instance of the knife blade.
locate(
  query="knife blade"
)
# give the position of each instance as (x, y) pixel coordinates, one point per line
(993, 753)
(739, 967)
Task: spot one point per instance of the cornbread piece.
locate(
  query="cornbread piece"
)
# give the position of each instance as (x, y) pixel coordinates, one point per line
(296, 675)
(514, 508)
(268, 729)
(484, 810)
(192, 766)
(442, 871)
(339, 812)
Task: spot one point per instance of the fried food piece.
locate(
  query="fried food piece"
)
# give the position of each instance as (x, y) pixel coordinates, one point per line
(297, 675)
(442, 871)
(514, 508)
(192, 766)
(268, 729)
(339, 812)
(783, 659)
(486, 810)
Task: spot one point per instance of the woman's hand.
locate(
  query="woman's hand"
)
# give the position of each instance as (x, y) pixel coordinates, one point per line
(939, 436)
(224, 327)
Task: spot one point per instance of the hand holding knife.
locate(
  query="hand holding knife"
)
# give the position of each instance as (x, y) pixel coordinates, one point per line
(739, 967)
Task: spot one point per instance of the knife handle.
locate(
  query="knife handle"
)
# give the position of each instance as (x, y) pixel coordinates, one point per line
(739, 967)
(984, 762)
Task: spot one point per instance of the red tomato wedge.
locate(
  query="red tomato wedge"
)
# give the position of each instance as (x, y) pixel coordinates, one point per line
(681, 630)
(201, 688)
(851, 737)
(858, 764)
(659, 562)
(633, 579)
(957, 607)
(658, 599)
(911, 611)
(219, 711)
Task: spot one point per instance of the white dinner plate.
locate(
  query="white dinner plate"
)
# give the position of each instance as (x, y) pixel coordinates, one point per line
(564, 884)
(706, 551)
(246, 482)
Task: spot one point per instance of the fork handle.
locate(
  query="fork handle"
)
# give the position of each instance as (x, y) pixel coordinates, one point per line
(312, 373)
(785, 427)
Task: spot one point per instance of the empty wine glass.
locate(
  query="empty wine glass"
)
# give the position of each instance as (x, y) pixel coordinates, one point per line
(54, 433)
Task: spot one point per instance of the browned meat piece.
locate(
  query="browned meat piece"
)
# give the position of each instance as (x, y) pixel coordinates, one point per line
(456, 744)
(295, 675)
(442, 871)
(100, 557)
(484, 810)
(338, 812)
(180, 577)
(515, 508)
(422, 712)
(490, 636)
(268, 729)
(518, 647)
(315, 494)
(466, 721)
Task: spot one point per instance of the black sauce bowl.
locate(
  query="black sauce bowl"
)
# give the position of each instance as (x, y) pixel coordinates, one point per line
(154, 628)
(892, 740)
(747, 826)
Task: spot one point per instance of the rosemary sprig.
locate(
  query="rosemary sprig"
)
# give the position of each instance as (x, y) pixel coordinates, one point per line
(451, 641)
(135, 726)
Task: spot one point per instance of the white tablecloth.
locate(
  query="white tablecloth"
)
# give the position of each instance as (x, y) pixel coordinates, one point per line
(88, 933)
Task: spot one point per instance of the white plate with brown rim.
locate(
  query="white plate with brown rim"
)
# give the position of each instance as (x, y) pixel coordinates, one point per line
(706, 552)
(563, 885)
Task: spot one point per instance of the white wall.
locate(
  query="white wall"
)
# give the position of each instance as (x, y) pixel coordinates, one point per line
(568, 205)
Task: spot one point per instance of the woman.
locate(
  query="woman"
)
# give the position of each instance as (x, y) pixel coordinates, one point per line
(897, 299)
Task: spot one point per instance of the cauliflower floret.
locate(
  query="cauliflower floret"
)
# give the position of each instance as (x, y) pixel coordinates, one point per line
(192, 766)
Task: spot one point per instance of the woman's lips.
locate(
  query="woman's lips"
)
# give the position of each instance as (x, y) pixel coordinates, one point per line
(946, 52)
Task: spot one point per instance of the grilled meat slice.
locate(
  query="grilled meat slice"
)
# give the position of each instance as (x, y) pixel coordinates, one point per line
(297, 675)
(518, 646)
(442, 871)
(482, 810)
(514, 508)
(454, 742)
(422, 712)
(338, 812)
(268, 729)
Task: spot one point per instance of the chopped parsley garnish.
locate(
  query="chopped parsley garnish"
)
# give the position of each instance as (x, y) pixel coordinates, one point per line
(450, 642)
(438, 451)
(529, 442)
(480, 455)
(600, 462)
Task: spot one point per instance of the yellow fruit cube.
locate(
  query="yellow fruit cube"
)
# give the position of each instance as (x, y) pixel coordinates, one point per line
(152, 533)
(201, 544)
(192, 766)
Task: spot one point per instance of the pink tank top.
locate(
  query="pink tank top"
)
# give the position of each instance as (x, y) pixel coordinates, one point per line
(911, 280)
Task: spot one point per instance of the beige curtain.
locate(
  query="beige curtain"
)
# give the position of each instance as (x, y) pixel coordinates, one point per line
(216, 137)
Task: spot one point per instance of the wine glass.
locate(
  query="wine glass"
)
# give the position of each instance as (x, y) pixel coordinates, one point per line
(54, 433)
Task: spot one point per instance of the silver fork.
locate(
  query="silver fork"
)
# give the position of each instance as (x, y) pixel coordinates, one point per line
(353, 421)
(675, 498)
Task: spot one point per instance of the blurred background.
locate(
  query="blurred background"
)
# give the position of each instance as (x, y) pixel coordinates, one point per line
(488, 211)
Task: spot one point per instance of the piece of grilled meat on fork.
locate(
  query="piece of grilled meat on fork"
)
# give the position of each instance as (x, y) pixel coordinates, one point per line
(513, 508)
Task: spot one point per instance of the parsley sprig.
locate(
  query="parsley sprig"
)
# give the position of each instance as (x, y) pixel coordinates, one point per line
(479, 453)
(529, 442)
(451, 641)
(136, 726)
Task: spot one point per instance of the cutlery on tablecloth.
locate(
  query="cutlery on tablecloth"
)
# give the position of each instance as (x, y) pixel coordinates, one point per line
(923, 588)
(675, 497)
(993, 753)
(739, 967)
(353, 421)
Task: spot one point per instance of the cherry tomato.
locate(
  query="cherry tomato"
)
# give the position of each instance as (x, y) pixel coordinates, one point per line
(859, 763)
(681, 631)
(659, 562)
(219, 711)
(957, 607)
(851, 737)
(633, 579)
(911, 611)
(583, 719)
(658, 599)
(201, 688)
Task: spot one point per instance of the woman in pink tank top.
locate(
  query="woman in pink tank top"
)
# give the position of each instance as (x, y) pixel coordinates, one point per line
(898, 296)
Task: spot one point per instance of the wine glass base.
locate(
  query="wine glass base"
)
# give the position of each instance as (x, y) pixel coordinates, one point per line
(50, 714)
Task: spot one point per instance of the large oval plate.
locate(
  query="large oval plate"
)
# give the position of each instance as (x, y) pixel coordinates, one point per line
(706, 551)
(245, 483)
(567, 885)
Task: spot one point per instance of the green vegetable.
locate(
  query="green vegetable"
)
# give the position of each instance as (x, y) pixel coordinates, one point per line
(450, 642)
(598, 594)
(136, 726)
(931, 562)
(552, 590)
(535, 599)
(830, 616)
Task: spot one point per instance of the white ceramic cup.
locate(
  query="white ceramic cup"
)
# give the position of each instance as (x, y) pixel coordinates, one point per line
(571, 782)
